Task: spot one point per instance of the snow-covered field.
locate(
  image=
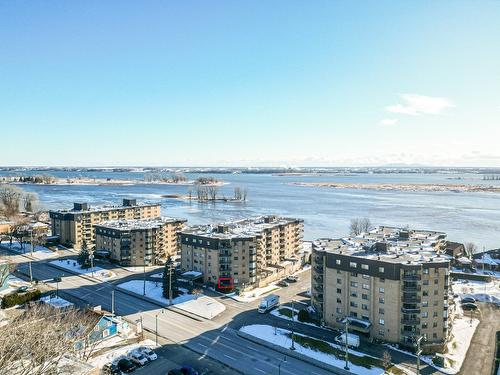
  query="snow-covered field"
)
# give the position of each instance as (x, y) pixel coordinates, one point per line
(203, 306)
(266, 333)
(254, 294)
(56, 302)
(12, 284)
(39, 252)
(72, 265)
(116, 354)
(481, 291)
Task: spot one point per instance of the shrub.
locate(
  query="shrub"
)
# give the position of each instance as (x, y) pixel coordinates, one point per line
(19, 298)
(303, 316)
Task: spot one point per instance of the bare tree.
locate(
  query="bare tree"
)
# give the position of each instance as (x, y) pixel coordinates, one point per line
(212, 192)
(245, 193)
(190, 193)
(359, 225)
(16, 227)
(470, 249)
(238, 194)
(386, 360)
(30, 202)
(197, 292)
(36, 342)
(10, 200)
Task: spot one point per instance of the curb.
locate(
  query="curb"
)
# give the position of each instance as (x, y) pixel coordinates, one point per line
(294, 354)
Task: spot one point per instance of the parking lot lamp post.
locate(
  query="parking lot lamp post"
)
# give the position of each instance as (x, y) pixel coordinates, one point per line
(346, 367)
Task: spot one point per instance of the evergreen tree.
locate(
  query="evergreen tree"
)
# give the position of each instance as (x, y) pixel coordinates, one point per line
(83, 258)
(169, 267)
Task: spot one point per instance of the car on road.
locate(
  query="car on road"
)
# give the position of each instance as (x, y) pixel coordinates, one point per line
(468, 300)
(138, 358)
(126, 365)
(292, 278)
(283, 283)
(469, 306)
(111, 369)
(148, 353)
(184, 370)
(22, 289)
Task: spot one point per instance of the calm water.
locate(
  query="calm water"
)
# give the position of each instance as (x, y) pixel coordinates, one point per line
(327, 212)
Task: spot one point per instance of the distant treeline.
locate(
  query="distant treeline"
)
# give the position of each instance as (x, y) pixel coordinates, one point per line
(35, 179)
(493, 177)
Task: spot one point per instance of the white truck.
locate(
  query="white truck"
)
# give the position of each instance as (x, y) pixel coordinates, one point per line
(352, 340)
(267, 303)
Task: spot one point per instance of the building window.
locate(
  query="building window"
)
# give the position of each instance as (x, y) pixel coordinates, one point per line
(426, 271)
(354, 274)
(365, 266)
(338, 262)
(353, 264)
(364, 307)
(381, 311)
(434, 324)
(381, 300)
(425, 293)
(381, 269)
(339, 300)
(364, 296)
(354, 284)
(366, 286)
(353, 304)
(435, 281)
(354, 294)
(426, 282)
(435, 303)
(434, 335)
(425, 303)
(425, 314)
(435, 314)
(381, 322)
(338, 310)
(381, 290)
(339, 291)
(424, 325)
(381, 332)
(339, 281)
(365, 276)
(353, 314)
(436, 292)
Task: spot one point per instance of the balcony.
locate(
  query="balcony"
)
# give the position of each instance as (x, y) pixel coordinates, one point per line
(410, 298)
(406, 331)
(410, 310)
(411, 288)
(411, 277)
(411, 321)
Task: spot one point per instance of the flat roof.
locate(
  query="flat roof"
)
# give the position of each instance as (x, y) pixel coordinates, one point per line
(148, 223)
(246, 228)
(103, 208)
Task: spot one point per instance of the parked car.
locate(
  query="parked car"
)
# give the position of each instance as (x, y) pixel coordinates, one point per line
(184, 370)
(469, 306)
(138, 358)
(22, 289)
(148, 353)
(111, 369)
(283, 283)
(126, 365)
(292, 278)
(468, 300)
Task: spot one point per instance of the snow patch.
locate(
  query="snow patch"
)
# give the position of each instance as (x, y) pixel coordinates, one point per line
(73, 266)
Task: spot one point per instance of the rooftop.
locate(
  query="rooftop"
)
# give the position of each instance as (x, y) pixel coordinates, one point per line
(149, 223)
(246, 228)
(85, 207)
(390, 244)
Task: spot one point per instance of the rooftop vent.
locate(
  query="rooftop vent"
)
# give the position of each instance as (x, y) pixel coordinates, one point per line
(129, 202)
(81, 206)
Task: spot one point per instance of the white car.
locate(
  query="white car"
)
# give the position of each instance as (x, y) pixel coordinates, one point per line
(138, 358)
(148, 353)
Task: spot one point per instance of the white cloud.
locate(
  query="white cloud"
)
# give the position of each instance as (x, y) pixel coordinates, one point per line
(389, 122)
(415, 104)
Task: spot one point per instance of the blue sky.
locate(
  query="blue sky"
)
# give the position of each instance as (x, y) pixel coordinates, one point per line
(250, 83)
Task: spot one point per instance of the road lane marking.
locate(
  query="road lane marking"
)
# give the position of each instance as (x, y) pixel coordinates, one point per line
(258, 369)
(228, 356)
(200, 344)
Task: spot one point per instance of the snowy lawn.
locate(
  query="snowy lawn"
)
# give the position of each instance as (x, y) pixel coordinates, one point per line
(39, 252)
(157, 275)
(114, 355)
(254, 294)
(285, 312)
(56, 302)
(481, 291)
(323, 351)
(203, 306)
(72, 265)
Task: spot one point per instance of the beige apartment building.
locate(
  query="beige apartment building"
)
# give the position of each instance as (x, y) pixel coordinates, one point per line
(139, 242)
(77, 225)
(391, 284)
(245, 254)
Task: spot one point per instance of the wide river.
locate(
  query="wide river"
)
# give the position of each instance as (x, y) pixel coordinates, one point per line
(465, 216)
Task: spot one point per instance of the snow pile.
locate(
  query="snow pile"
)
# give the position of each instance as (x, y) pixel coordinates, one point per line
(254, 294)
(480, 290)
(56, 302)
(203, 306)
(119, 353)
(192, 274)
(39, 252)
(266, 333)
(72, 265)
(157, 275)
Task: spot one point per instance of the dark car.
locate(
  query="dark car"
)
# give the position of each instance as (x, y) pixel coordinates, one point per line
(468, 300)
(283, 283)
(126, 365)
(184, 370)
(469, 306)
(111, 369)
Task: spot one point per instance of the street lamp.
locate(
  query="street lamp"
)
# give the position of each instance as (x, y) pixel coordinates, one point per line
(280, 363)
(419, 351)
(156, 326)
(346, 367)
(293, 343)
(91, 257)
(113, 301)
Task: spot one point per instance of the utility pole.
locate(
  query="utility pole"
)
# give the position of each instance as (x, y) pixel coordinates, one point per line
(31, 234)
(170, 283)
(91, 256)
(346, 367)
(280, 363)
(144, 274)
(31, 274)
(293, 343)
(156, 326)
(113, 302)
(419, 351)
